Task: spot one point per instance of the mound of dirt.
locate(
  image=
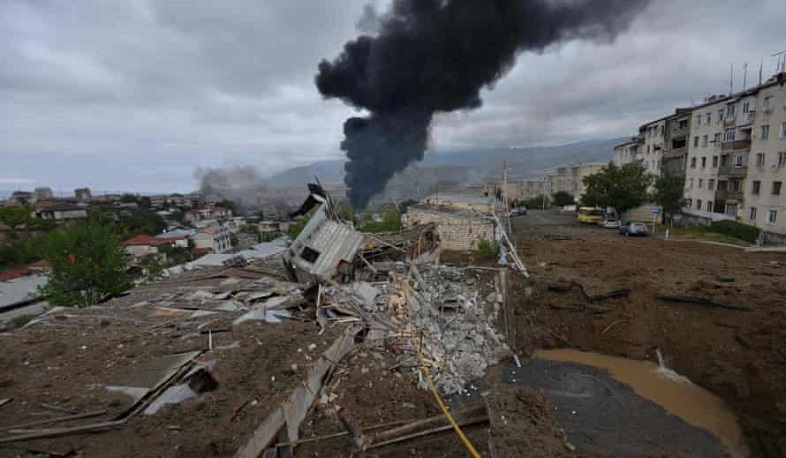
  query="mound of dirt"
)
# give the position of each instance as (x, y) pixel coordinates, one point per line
(523, 419)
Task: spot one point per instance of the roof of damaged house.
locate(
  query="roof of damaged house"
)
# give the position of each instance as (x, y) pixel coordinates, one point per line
(148, 240)
(322, 245)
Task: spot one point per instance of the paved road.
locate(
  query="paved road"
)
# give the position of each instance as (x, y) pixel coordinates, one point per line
(553, 224)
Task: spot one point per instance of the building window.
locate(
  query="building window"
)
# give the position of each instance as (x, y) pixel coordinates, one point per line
(756, 187)
(709, 206)
(752, 215)
(695, 142)
(690, 183)
(701, 182)
(689, 203)
(768, 104)
(783, 130)
(759, 159)
(716, 139)
(703, 162)
(722, 185)
(698, 120)
(776, 188)
(735, 185)
(730, 110)
(662, 129)
(724, 160)
(711, 184)
(764, 133)
(720, 115)
(709, 118)
(745, 107)
(698, 204)
(693, 162)
(705, 140)
(728, 136)
(772, 215)
(739, 160)
(714, 161)
(781, 160)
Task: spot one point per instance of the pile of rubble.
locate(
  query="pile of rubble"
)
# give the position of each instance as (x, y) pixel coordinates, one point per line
(447, 315)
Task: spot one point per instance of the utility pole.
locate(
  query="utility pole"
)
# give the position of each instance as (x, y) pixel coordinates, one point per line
(731, 80)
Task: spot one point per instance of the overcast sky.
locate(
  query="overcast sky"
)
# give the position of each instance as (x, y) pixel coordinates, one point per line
(136, 94)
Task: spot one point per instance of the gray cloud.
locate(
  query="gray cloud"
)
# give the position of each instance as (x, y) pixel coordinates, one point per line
(137, 94)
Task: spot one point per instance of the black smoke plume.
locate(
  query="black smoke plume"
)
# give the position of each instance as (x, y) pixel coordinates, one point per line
(433, 56)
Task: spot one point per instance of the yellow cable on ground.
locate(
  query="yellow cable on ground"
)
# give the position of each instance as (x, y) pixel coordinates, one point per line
(442, 406)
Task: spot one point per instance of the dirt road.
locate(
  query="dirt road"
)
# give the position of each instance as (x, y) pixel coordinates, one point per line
(736, 352)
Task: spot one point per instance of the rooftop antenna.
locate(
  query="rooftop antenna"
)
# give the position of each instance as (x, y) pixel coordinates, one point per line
(781, 65)
(731, 80)
(761, 67)
(744, 75)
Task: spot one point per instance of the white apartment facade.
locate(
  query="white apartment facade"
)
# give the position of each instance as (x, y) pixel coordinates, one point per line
(628, 152)
(704, 154)
(651, 147)
(765, 195)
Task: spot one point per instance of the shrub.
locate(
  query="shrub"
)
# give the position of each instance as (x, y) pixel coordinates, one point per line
(736, 230)
(487, 249)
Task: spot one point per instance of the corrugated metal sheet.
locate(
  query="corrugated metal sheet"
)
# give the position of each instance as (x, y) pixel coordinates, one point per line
(334, 242)
(20, 290)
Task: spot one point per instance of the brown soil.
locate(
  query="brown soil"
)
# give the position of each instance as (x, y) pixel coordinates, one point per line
(68, 361)
(737, 355)
(523, 419)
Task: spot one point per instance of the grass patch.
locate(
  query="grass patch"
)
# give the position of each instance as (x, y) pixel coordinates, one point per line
(721, 231)
(17, 322)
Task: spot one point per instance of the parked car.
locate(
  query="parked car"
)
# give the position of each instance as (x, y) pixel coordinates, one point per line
(634, 228)
(519, 211)
(610, 223)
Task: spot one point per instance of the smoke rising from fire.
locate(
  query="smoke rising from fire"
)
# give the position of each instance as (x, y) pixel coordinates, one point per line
(436, 55)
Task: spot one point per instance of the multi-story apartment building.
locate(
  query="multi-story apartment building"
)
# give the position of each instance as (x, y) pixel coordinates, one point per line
(652, 139)
(675, 142)
(628, 152)
(703, 158)
(765, 197)
(570, 178)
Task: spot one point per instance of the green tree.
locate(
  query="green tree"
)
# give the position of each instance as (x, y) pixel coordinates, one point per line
(16, 216)
(86, 264)
(668, 193)
(621, 188)
(391, 222)
(251, 229)
(562, 198)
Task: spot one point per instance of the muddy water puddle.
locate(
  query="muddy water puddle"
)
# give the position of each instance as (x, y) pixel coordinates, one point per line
(674, 393)
(619, 407)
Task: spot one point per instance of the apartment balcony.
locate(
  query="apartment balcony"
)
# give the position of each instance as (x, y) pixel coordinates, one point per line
(729, 121)
(736, 145)
(733, 171)
(727, 196)
(674, 153)
(746, 119)
(678, 132)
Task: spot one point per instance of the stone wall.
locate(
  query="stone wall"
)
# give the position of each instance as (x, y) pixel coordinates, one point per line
(456, 231)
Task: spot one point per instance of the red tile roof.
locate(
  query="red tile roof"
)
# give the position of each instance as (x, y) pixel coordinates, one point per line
(142, 240)
(19, 272)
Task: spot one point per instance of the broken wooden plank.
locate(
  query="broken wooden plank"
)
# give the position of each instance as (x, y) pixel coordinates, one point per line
(63, 431)
(4, 402)
(703, 301)
(622, 292)
(467, 422)
(54, 420)
(292, 412)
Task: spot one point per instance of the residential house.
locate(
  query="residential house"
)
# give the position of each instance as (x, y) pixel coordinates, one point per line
(43, 193)
(83, 194)
(215, 239)
(207, 214)
(60, 211)
(20, 286)
(143, 246)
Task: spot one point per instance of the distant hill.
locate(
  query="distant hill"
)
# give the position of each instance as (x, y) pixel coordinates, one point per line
(485, 162)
